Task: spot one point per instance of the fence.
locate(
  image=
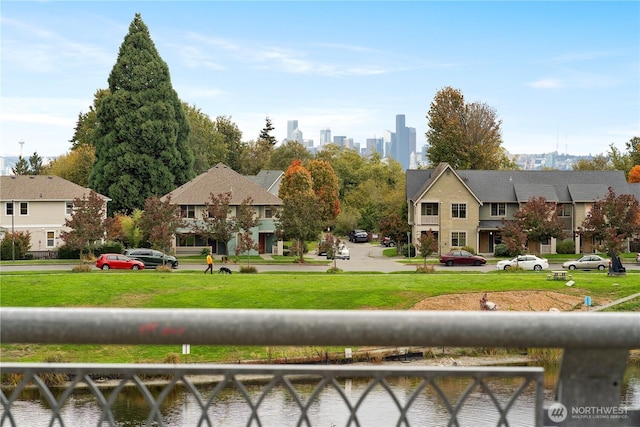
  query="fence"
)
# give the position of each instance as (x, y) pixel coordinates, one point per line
(596, 347)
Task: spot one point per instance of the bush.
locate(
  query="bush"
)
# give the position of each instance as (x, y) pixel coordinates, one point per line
(566, 246)
(205, 251)
(166, 268)
(81, 268)
(501, 250)
(334, 270)
(65, 252)
(425, 269)
(9, 249)
(249, 269)
(469, 249)
(109, 248)
(409, 251)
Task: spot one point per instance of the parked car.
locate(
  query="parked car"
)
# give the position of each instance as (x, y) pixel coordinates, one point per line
(638, 258)
(358, 236)
(527, 262)
(117, 261)
(461, 258)
(151, 258)
(386, 241)
(587, 262)
(342, 252)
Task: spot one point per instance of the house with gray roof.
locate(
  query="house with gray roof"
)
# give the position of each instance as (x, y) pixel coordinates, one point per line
(193, 196)
(467, 207)
(39, 204)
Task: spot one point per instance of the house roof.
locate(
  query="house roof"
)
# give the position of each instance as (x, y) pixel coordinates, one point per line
(41, 187)
(268, 179)
(433, 177)
(513, 186)
(221, 179)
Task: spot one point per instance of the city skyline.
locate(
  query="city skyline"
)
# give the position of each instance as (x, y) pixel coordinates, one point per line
(562, 76)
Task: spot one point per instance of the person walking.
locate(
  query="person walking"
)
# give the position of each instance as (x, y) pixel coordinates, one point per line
(209, 264)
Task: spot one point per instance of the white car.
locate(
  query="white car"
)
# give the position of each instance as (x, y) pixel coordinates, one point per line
(526, 262)
(341, 253)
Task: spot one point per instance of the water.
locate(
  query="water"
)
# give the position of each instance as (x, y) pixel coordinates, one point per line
(280, 408)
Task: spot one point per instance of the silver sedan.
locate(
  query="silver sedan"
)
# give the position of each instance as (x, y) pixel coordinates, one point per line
(587, 262)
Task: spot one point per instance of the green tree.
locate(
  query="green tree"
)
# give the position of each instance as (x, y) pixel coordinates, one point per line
(217, 222)
(35, 164)
(142, 141)
(229, 135)
(21, 167)
(633, 148)
(86, 222)
(131, 228)
(298, 217)
(539, 220)
(87, 123)
(160, 221)
(325, 187)
(74, 166)
(15, 245)
(613, 220)
(513, 236)
(467, 136)
(283, 155)
(599, 162)
(203, 139)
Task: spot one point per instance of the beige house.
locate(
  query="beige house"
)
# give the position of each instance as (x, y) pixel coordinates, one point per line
(39, 204)
(193, 196)
(466, 207)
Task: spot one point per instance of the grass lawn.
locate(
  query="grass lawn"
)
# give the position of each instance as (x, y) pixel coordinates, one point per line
(154, 289)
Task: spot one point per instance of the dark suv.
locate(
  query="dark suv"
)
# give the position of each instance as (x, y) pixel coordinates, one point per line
(357, 236)
(151, 258)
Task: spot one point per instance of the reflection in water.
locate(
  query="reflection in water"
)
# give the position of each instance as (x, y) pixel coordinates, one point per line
(280, 407)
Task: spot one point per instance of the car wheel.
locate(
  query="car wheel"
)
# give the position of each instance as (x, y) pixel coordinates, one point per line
(105, 266)
(506, 267)
(572, 267)
(392, 245)
(135, 267)
(449, 263)
(601, 267)
(537, 267)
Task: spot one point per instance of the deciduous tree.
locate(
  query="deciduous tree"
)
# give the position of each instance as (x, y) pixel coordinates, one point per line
(247, 220)
(427, 244)
(612, 220)
(539, 220)
(396, 228)
(283, 155)
(634, 174)
(325, 186)
(513, 237)
(74, 166)
(86, 222)
(217, 222)
(159, 222)
(142, 141)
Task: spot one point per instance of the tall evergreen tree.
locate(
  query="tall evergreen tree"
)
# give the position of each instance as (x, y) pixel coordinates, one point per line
(142, 141)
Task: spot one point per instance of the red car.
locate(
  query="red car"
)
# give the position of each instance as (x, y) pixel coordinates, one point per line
(117, 261)
(461, 258)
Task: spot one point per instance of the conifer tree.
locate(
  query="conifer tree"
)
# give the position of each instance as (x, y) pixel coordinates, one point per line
(142, 137)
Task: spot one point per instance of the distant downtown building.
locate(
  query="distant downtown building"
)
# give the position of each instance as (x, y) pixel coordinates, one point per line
(325, 136)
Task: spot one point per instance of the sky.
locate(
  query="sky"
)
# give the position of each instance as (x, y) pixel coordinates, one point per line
(561, 76)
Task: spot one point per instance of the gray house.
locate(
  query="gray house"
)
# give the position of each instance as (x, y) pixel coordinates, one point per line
(466, 207)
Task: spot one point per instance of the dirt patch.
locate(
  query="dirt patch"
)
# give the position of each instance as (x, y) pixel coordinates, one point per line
(505, 301)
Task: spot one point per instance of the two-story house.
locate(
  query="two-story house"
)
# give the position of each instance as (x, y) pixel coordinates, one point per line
(466, 207)
(39, 204)
(193, 196)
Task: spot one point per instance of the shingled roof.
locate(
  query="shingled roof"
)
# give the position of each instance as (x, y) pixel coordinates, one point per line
(41, 187)
(221, 179)
(513, 186)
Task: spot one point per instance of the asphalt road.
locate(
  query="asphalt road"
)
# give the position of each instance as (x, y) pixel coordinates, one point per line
(364, 257)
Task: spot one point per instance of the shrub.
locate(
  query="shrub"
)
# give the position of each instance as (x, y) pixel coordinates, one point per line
(109, 248)
(249, 269)
(566, 246)
(409, 251)
(164, 268)
(173, 358)
(54, 379)
(501, 250)
(65, 252)
(81, 268)
(15, 245)
(424, 269)
(334, 270)
(469, 249)
(205, 251)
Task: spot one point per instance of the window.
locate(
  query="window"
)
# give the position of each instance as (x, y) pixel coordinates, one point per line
(429, 209)
(9, 209)
(69, 208)
(498, 209)
(268, 212)
(458, 210)
(564, 210)
(51, 241)
(187, 211)
(24, 208)
(458, 238)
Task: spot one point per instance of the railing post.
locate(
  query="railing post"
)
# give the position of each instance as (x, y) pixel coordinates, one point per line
(589, 387)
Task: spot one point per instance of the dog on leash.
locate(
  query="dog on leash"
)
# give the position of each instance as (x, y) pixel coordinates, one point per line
(224, 270)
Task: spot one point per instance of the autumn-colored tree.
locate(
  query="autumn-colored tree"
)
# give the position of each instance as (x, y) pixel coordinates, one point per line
(159, 222)
(131, 228)
(15, 245)
(613, 220)
(394, 227)
(217, 223)
(75, 166)
(467, 136)
(326, 188)
(246, 219)
(427, 244)
(634, 174)
(513, 237)
(86, 222)
(298, 218)
(539, 219)
(114, 228)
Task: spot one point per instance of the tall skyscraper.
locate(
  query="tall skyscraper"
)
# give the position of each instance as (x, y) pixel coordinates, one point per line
(339, 140)
(325, 136)
(291, 126)
(296, 135)
(402, 152)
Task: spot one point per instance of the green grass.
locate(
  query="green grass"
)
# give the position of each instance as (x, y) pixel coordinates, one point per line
(153, 289)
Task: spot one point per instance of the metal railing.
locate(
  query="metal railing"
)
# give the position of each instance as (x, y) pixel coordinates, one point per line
(596, 347)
